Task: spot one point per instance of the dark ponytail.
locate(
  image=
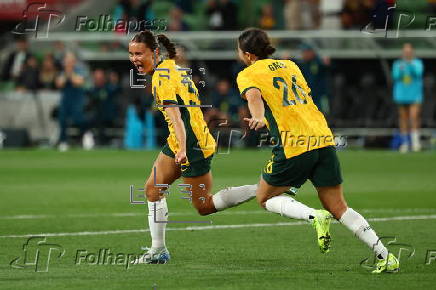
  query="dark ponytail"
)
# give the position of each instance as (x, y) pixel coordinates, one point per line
(147, 37)
(169, 46)
(256, 41)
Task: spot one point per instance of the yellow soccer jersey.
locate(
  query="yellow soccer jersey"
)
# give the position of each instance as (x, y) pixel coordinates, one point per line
(171, 86)
(295, 123)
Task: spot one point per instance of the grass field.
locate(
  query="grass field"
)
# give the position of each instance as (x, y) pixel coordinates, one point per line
(80, 201)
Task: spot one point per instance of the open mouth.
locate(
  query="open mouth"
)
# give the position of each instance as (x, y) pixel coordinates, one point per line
(139, 67)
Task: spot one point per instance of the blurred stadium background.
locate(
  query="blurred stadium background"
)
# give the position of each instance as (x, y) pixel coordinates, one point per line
(350, 75)
(80, 199)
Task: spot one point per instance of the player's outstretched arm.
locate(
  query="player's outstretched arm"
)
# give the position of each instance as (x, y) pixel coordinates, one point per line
(257, 109)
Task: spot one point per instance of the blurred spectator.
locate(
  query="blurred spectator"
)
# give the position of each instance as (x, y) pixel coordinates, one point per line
(103, 103)
(16, 60)
(302, 14)
(267, 20)
(432, 6)
(136, 9)
(223, 15)
(176, 22)
(226, 103)
(382, 16)
(315, 71)
(132, 10)
(186, 5)
(315, 14)
(59, 54)
(407, 74)
(48, 73)
(71, 108)
(29, 76)
(356, 13)
(198, 71)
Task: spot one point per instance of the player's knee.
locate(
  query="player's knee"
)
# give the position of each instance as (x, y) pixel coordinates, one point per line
(204, 206)
(150, 192)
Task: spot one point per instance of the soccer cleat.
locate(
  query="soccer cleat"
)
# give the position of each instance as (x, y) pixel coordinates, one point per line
(153, 256)
(404, 148)
(321, 223)
(388, 265)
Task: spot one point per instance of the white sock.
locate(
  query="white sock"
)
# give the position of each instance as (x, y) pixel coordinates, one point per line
(360, 227)
(232, 196)
(157, 211)
(414, 137)
(289, 207)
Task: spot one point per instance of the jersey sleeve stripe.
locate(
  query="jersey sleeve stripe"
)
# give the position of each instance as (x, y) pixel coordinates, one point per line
(169, 102)
(246, 89)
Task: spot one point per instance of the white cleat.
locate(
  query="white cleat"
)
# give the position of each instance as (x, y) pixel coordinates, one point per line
(88, 142)
(416, 147)
(153, 256)
(404, 148)
(63, 146)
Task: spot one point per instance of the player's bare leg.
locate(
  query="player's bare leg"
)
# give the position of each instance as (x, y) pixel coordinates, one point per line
(333, 200)
(403, 120)
(415, 124)
(272, 199)
(201, 187)
(164, 171)
(167, 171)
(206, 203)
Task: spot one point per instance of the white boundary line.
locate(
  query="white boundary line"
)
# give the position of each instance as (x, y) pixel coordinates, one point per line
(213, 227)
(193, 213)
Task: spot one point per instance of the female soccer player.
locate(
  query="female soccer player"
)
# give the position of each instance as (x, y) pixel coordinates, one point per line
(190, 146)
(278, 97)
(407, 74)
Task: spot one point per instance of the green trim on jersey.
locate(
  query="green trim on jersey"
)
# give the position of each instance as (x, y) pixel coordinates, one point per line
(193, 150)
(278, 150)
(246, 89)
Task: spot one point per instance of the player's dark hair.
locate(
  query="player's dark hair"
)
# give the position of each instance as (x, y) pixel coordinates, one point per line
(151, 41)
(256, 41)
(169, 46)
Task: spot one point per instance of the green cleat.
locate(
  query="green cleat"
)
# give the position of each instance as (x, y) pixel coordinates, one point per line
(388, 265)
(321, 223)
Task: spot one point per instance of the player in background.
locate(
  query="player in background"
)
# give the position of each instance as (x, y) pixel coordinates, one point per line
(279, 98)
(189, 148)
(407, 75)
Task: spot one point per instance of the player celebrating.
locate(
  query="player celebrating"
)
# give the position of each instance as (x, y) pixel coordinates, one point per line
(278, 97)
(190, 146)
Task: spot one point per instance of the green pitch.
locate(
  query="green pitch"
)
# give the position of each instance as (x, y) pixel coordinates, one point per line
(80, 201)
